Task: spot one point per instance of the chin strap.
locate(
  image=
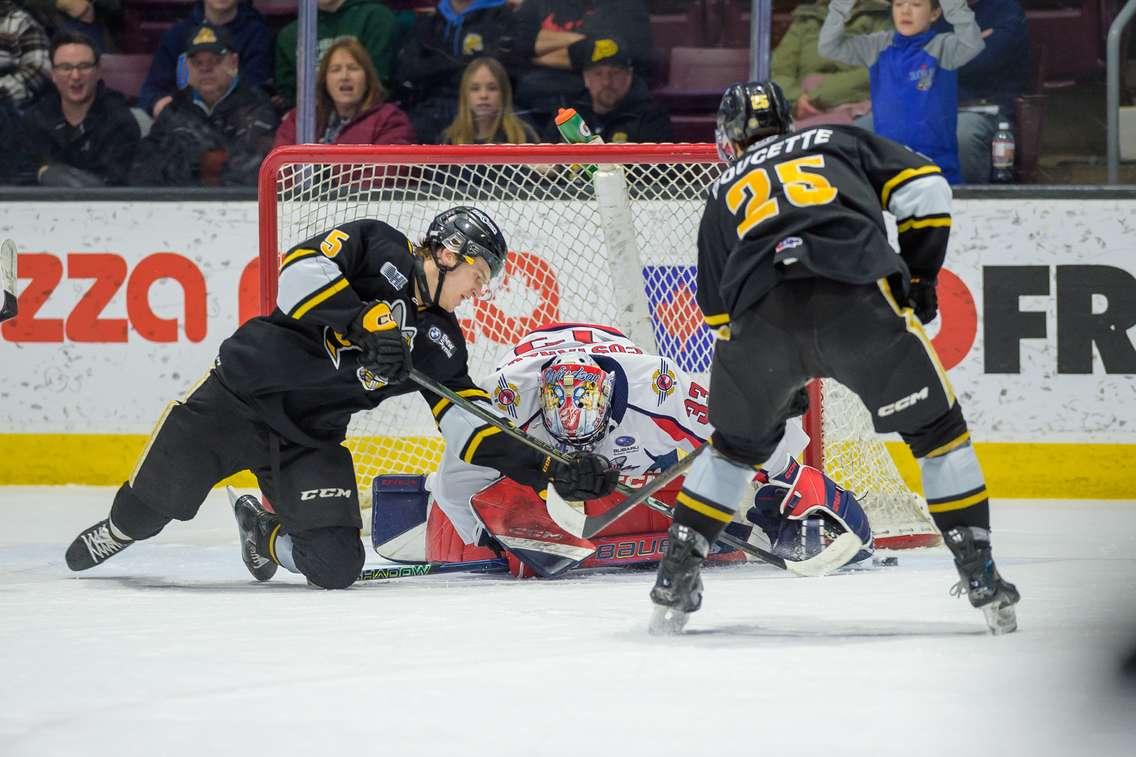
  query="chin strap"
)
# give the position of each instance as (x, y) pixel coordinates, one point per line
(423, 283)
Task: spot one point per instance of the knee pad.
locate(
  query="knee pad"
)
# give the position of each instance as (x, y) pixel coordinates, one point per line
(133, 517)
(948, 428)
(330, 557)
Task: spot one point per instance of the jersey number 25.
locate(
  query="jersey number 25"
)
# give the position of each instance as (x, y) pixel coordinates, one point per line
(802, 188)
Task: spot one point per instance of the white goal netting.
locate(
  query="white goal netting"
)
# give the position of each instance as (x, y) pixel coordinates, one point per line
(597, 234)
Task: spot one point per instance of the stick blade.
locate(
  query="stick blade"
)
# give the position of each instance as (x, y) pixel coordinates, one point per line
(569, 517)
(838, 552)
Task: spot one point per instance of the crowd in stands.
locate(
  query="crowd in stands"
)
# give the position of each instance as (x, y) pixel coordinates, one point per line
(936, 75)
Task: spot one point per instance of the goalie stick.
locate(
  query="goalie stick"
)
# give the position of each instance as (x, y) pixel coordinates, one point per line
(8, 301)
(834, 556)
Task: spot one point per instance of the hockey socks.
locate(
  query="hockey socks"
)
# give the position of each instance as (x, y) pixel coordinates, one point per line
(710, 494)
(955, 487)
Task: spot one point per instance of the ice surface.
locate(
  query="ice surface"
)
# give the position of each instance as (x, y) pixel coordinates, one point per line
(171, 649)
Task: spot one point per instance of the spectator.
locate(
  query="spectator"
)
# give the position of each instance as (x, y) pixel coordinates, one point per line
(485, 109)
(216, 130)
(821, 90)
(611, 108)
(374, 25)
(25, 65)
(913, 72)
(431, 62)
(94, 18)
(13, 166)
(169, 71)
(990, 82)
(351, 107)
(83, 134)
(562, 35)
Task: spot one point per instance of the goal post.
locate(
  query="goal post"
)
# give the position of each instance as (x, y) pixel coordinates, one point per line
(614, 245)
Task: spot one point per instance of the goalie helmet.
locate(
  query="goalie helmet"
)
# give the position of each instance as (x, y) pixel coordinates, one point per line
(750, 112)
(470, 233)
(575, 399)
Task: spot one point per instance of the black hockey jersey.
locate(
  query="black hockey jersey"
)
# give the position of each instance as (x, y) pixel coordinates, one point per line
(811, 204)
(303, 378)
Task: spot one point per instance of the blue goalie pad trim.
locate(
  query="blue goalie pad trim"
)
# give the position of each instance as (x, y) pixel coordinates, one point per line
(398, 505)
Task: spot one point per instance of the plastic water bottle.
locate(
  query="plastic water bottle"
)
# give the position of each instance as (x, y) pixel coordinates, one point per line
(1002, 155)
(575, 131)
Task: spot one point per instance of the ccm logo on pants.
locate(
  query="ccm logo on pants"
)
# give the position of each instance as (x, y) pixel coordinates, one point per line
(903, 404)
(327, 493)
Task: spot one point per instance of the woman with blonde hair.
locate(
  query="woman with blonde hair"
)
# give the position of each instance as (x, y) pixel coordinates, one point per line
(351, 105)
(485, 109)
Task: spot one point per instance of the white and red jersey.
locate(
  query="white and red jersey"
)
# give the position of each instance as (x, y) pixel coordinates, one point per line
(656, 410)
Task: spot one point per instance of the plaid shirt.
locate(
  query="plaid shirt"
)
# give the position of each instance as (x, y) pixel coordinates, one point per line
(25, 61)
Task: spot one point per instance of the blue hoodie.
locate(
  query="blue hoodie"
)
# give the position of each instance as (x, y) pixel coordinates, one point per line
(251, 37)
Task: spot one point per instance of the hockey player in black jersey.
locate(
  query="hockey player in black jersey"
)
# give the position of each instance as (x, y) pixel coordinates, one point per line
(794, 263)
(358, 306)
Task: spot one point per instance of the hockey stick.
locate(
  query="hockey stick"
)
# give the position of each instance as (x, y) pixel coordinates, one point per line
(408, 570)
(8, 301)
(837, 554)
(577, 523)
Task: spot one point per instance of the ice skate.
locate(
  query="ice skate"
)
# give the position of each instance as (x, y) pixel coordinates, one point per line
(255, 525)
(678, 587)
(981, 583)
(95, 545)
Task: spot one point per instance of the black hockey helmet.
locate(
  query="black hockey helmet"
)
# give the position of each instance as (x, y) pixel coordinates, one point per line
(750, 112)
(470, 233)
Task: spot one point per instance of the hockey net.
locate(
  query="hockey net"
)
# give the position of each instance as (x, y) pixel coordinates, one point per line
(598, 234)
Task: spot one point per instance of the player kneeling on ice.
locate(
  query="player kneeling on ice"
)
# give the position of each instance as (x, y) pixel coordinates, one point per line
(794, 261)
(354, 303)
(585, 387)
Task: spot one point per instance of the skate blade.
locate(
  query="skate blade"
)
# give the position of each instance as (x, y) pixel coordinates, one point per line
(1000, 620)
(667, 621)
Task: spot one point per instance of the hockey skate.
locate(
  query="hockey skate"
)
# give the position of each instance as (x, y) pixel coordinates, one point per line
(981, 583)
(95, 545)
(255, 525)
(678, 587)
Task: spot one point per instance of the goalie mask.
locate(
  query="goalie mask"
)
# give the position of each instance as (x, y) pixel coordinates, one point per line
(575, 396)
(749, 113)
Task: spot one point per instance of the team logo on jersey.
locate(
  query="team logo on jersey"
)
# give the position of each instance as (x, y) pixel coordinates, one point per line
(924, 77)
(663, 382)
(440, 338)
(393, 275)
(472, 43)
(336, 344)
(505, 396)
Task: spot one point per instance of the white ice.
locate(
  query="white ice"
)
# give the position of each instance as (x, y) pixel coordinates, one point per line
(171, 649)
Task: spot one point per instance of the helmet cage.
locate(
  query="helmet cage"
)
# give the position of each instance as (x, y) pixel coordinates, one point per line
(575, 399)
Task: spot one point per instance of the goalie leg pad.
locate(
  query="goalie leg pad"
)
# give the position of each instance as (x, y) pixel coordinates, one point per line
(398, 516)
(801, 490)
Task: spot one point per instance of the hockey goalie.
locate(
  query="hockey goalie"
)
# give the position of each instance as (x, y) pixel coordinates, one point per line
(589, 387)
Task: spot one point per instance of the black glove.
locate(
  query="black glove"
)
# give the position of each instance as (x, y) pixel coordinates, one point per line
(584, 476)
(385, 353)
(922, 299)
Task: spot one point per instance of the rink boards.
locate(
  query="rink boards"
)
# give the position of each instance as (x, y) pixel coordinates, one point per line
(125, 304)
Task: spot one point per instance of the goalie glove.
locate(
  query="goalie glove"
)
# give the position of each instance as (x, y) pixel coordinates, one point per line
(585, 476)
(384, 350)
(922, 298)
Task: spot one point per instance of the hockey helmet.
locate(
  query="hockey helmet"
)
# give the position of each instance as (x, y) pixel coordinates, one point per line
(470, 233)
(575, 399)
(750, 112)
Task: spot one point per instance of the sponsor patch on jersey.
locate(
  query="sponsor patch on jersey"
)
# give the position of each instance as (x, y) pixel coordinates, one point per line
(663, 382)
(789, 243)
(505, 397)
(624, 441)
(440, 338)
(393, 275)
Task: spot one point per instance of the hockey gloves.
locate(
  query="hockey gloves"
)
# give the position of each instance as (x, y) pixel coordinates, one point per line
(377, 335)
(584, 476)
(921, 298)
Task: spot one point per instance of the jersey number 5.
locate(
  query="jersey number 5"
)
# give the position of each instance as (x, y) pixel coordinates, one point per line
(801, 188)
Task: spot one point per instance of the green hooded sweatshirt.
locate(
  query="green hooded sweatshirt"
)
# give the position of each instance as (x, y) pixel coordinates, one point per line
(796, 54)
(373, 24)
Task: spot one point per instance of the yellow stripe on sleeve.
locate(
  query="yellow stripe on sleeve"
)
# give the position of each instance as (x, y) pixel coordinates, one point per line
(902, 176)
(324, 294)
(923, 223)
(295, 255)
(475, 442)
(716, 320)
